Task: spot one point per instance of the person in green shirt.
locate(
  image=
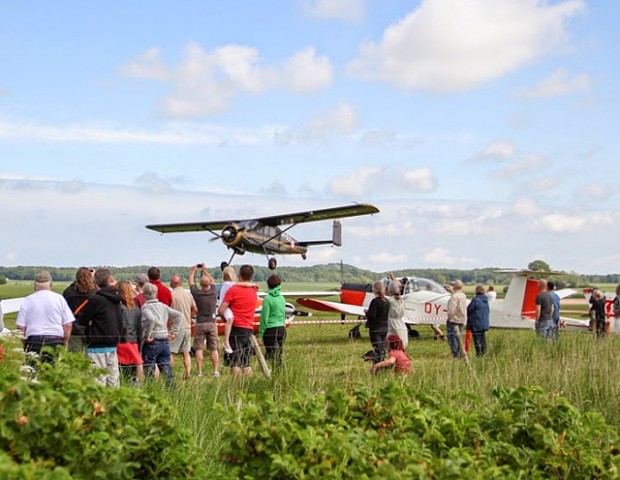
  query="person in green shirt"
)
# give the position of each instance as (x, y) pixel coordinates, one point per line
(272, 330)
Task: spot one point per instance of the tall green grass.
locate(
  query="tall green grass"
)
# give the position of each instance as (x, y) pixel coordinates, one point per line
(320, 357)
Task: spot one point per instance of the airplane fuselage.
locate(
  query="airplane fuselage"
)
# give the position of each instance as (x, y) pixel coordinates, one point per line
(248, 237)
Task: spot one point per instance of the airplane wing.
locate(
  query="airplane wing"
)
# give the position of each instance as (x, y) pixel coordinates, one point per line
(190, 227)
(318, 215)
(289, 218)
(325, 306)
(11, 305)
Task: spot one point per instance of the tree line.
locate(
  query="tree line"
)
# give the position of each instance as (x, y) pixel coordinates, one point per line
(329, 273)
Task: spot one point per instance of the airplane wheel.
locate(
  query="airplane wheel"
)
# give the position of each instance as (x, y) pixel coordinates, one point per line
(412, 332)
(272, 264)
(223, 265)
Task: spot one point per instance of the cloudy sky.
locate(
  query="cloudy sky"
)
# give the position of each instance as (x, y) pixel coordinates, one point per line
(486, 131)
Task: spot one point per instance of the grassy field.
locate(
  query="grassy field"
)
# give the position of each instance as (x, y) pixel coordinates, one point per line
(319, 357)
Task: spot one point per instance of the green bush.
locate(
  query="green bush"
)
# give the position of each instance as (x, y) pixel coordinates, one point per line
(397, 432)
(63, 425)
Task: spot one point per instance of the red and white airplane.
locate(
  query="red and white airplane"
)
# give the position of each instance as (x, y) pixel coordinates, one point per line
(426, 302)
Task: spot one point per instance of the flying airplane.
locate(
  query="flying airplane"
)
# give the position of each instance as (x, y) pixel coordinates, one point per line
(426, 302)
(264, 235)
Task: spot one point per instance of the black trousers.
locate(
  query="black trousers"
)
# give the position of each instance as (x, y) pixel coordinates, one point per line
(273, 339)
(35, 344)
(378, 338)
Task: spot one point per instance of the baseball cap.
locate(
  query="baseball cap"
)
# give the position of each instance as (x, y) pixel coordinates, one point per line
(141, 278)
(457, 283)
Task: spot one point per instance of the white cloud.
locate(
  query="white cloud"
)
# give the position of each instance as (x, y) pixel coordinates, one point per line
(441, 256)
(455, 45)
(339, 121)
(544, 183)
(305, 72)
(387, 179)
(526, 207)
(382, 230)
(559, 84)
(388, 258)
(419, 180)
(206, 82)
(519, 165)
(171, 134)
(564, 223)
(349, 10)
(597, 191)
(148, 65)
(500, 150)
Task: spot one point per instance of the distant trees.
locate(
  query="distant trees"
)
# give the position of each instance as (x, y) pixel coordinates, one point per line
(539, 266)
(329, 273)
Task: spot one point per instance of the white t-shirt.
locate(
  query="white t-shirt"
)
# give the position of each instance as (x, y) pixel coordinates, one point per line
(44, 313)
(491, 295)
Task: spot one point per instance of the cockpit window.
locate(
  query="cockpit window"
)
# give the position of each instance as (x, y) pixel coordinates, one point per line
(418, 284)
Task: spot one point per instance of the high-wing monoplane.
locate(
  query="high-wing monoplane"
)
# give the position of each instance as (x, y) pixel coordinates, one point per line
(426, 302)
(264, 235)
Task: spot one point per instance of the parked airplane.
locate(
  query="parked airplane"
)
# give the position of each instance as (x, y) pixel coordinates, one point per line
(264, 235)
(426, 302)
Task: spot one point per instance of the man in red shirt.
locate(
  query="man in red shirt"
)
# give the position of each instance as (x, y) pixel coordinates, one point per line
(164, 295)
(241, 299)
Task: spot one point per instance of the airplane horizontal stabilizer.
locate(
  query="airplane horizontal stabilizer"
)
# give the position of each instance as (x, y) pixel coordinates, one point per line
(325, 306)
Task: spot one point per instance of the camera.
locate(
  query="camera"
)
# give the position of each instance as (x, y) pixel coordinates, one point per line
(199, 265)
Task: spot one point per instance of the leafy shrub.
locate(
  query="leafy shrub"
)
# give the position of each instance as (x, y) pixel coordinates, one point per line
(396, 432)
(63, 425)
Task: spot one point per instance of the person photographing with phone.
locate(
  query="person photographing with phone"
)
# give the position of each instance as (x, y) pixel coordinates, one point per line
(205, 331)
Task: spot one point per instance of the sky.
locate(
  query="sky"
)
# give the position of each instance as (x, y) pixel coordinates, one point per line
(485, 131)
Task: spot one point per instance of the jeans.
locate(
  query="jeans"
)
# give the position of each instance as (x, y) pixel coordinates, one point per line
(546, 329)
(454, 330)
(157, 352)
(480, 343)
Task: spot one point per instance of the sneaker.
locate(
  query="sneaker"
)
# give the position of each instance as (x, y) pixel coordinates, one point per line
(216, 374)
(199, 374)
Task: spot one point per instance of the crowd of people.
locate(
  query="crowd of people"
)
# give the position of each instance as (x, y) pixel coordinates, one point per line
(130, 330)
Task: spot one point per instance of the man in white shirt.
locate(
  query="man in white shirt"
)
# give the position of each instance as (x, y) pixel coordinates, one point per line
(45, 318)
(457, 318)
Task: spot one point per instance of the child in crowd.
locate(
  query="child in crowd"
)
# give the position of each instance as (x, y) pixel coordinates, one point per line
(397, 357)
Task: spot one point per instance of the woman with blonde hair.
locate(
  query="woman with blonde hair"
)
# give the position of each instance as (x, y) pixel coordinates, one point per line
(377, 320)
(129, 358)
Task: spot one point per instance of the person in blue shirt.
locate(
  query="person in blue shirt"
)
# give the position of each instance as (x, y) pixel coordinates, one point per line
(556, 309)
(478, 320)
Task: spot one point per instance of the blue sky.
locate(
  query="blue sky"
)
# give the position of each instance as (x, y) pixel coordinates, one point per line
(485, 131)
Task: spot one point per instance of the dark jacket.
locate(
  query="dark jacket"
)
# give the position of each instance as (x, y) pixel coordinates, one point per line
(478, 314)
(74, 299)
(102, 318)
(377, 315)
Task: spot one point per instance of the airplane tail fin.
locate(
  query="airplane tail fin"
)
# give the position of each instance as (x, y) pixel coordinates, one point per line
(336, 237)
(520, 299)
